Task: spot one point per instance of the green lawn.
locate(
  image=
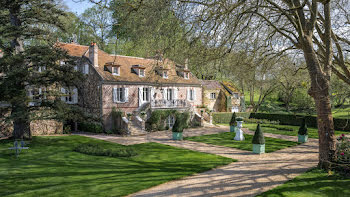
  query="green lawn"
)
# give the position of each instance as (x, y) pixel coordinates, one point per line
(226, 139)
(341, 113)
(51, 168)
(313, 132)
(313, 183)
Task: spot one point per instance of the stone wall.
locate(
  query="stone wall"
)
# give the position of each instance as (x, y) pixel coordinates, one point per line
(46, 127)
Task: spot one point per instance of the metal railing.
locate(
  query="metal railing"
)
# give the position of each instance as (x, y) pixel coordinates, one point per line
(163, 103)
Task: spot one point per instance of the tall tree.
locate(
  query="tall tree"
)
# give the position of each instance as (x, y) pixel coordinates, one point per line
(31, 73)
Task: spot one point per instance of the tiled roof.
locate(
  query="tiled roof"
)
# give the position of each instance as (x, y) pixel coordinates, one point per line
(126, 63)
(211, 84)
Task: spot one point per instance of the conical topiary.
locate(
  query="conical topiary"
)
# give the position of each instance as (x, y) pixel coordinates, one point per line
(258, 136)
(303, 128)
(233, 119)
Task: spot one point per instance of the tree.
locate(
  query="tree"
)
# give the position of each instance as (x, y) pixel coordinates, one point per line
(303, 26)
(31, 73)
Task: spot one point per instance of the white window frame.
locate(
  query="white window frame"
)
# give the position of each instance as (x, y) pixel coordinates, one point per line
(212, 95)
(120, 95)
(186, 75)
(165, 74)
(141, 71)
(191, 95)
(115, 71)
(146, 94)
(170, 121)
(71, 95)
(86, 69)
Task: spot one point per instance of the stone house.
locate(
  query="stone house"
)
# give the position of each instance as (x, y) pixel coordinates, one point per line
(131, 84)
(220, 96)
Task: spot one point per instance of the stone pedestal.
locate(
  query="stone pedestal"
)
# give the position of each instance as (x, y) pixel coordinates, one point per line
(239, 133)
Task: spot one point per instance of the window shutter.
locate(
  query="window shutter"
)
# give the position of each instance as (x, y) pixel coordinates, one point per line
(188, 94)
(75, 95)
(140, 96)
(152, 94)
(175, 93)
(86, 70)
(115, 95)
(165, 93)
(63, 98)
(126, 94)
(194, 94)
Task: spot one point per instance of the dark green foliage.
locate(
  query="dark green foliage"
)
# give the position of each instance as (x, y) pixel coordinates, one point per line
(233, 119)
(225, 117)
(97, 150)
(291, 119)
(181, 122)
(90, 127)
(303, 128)
(239, 119)
(258, 136)
(157, 120)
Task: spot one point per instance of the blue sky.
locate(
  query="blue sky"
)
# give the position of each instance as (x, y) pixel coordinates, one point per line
(76, 6)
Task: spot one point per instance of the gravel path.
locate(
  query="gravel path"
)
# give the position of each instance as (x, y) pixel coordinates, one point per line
(251, 175)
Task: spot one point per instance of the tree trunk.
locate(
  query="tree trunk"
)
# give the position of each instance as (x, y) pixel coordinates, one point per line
(21, 123)
(320, 92)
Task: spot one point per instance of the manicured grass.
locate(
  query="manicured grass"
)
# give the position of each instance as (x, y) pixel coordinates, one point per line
(312, 132)
(226, 139)
(51, 168)
(313, 183)
(341, 113)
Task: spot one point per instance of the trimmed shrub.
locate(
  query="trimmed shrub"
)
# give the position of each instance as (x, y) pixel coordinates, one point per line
(239, 119)
(262, 121)
(258, 136)
(91, 127)
(233, 119)
(97, 150)
(295, 120)
(303, 128)
(180, 123)
(225, 117)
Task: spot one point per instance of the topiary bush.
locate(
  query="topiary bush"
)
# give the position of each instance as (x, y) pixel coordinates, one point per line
(303, 128)
(97, 150)
(92, 127)
(180, 123)
(233, 119)
(258, 136)
(239, 119)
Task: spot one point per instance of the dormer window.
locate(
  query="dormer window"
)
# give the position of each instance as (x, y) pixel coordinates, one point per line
(141, 72)
(116, 71)
(186, 75)
(165, 74)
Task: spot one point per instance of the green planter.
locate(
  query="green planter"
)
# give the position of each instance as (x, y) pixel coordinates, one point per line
(258, 148)
(177, 135)
(302, 138)
(232, 128)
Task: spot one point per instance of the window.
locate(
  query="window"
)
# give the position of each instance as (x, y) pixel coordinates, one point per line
(165, 74)
(213, 95)
(191, 94)
(186, 75)
(70, 95)
(146, 94)
(36, 96)
(120, 95)
(235, 95)
(170, 122)
(86, 69)
(170, 94)
(115, 70)
(62, 63)
(41, 69)
(141, 72)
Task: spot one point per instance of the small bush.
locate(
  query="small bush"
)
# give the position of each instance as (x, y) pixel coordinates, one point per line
(97, 150)
(233, 119)
(91, 127)
(303, 128)
(258, 136)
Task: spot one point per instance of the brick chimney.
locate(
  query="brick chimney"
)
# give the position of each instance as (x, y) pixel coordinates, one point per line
(93, 54)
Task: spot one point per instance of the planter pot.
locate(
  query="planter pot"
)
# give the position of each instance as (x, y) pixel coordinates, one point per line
(177, 136)
(302, 138)
(232, 128)
(258, 148)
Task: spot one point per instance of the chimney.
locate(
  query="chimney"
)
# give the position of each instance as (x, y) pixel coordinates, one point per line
(186, 63)
(93, 54)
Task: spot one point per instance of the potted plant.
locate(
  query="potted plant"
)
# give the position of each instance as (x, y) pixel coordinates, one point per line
(178, 127)
(302, 133)
(233, 122)
(239, 121)
(258, 141)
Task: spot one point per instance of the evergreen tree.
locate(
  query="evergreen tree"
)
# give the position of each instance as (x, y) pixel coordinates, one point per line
(30, 70)
(303, 128)
(233, 119)
(258, 136)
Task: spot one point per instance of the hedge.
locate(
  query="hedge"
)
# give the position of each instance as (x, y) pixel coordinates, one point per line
(225, 117)
(290, 119)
